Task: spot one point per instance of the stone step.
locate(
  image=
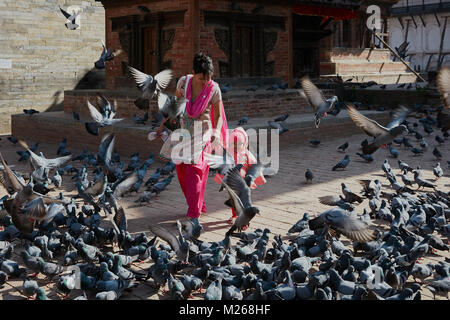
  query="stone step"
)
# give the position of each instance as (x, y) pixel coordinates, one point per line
(378, 77)
(334, 54)
(357, 66)
(52, 127)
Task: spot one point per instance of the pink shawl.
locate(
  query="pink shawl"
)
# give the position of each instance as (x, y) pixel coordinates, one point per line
(194, 109)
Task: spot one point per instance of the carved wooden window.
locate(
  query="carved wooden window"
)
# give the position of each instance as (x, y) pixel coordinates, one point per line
(243, 37)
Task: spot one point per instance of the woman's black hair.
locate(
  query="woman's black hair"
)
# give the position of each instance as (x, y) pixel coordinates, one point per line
(203, 64)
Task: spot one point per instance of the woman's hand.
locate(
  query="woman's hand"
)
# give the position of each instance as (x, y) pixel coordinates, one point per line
(215, 141)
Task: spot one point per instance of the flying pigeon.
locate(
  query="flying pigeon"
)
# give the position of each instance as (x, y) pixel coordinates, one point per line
(148, 85)
(317, 100)
(107, 55)
(70, 23)
(382, 135)
(103, 119)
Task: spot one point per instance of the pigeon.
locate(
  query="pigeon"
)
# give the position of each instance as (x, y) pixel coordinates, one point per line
(103, 119)
(424, 144)
(394, 152)
(421, 182)
(382, 135)
(30, 111)
(214, 290)
(350, 196)
(437, 171)
(338, 220)
(179, 245)
(416, 151)
(443, 86)
(12, 140)
(314, 143)
(225, 89)
(258, 9)
(107, 55)
(439, 139)
(404, 166)
(343, 147)
(171, 107)
(282, 118)
(148, 85)
(42, 162)
(309, 175)
(437, 153)
(254, 87)
(240, 198)
(342, 164)
(317, 101)
(71, 18)
(279, 126)
(140, 120)
(366, 157)
(243, 120)
(143, 9)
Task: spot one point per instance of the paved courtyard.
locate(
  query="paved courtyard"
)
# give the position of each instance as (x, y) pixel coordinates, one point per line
(282, 200)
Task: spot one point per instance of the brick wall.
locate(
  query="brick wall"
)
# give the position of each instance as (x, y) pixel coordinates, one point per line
(181, 52)
(237, 104)
(46, 58)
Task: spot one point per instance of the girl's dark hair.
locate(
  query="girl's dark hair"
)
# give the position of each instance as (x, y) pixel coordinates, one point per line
(203, 64)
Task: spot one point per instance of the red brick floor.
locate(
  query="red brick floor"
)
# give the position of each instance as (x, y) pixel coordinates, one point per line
(282, 200)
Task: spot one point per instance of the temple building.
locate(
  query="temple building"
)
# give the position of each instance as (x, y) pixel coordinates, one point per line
(246, 39)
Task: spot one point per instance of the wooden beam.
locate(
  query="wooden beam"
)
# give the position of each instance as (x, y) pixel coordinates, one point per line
(423, 21)
(437, 20)
(395, 54)
(441, 57)
(414, 20)
(401, 22)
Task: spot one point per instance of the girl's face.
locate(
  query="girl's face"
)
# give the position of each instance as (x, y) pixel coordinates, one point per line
(202, 79)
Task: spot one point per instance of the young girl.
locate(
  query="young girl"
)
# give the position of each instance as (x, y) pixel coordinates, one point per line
(241, 155)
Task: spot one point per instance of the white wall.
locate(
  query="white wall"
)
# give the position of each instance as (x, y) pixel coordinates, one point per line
(423, 40)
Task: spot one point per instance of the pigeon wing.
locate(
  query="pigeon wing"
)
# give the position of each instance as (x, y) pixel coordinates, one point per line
(237, 203)
(142, 79)
(329, 200)
(125, 185)
(35, 209)
(352, 228)
(8, 178)
(443, 85)
(235, 181)
(163, 78)
(95, 114)
(166, 235)
(400, 114)
(222, 162)
(65, 13)
(370, 127)
(313, 94)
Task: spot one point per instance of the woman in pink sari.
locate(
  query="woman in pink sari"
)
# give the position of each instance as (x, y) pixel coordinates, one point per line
(204, 108)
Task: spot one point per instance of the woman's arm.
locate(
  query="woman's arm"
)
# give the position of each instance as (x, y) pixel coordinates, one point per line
(217, 118)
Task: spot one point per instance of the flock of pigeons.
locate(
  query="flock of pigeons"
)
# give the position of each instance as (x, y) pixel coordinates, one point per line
(310, 263)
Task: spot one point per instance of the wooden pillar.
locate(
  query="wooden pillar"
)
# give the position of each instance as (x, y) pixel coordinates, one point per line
(194, 27)
(290, 49)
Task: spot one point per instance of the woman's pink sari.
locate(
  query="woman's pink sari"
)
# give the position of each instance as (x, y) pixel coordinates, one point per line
(196, 108)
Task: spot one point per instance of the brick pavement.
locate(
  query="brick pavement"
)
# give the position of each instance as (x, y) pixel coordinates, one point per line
(282, 200)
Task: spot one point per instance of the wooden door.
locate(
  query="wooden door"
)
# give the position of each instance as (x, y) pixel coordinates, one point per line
(150, 50)
(244, 51)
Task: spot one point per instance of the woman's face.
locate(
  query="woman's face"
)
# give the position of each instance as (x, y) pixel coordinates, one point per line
(202, 79)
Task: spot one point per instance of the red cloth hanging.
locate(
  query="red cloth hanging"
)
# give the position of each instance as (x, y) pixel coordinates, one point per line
(326, 12)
